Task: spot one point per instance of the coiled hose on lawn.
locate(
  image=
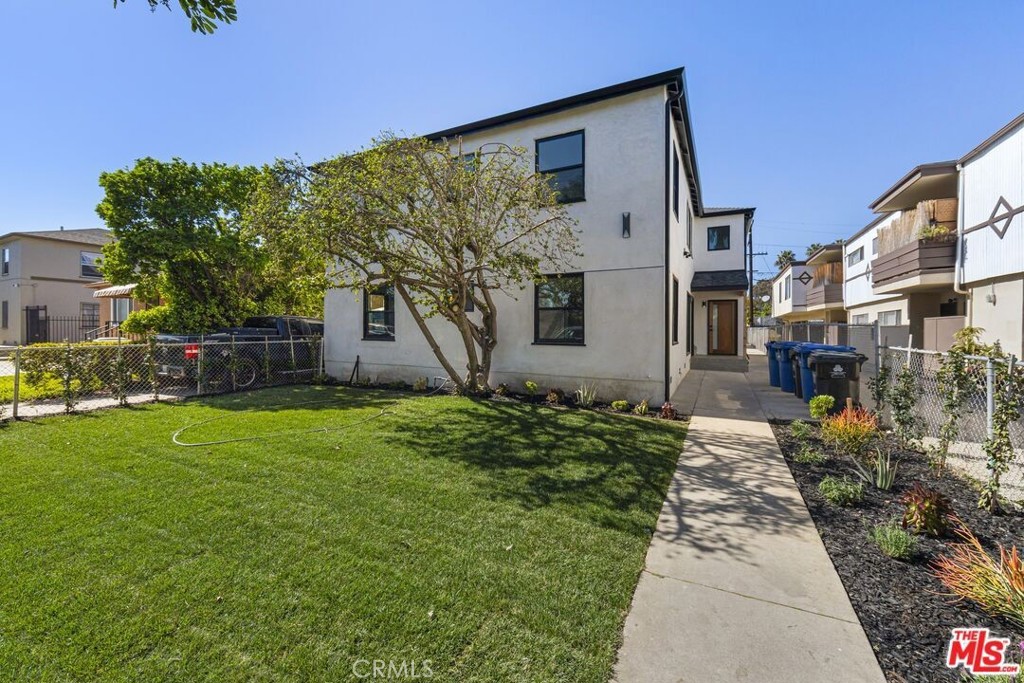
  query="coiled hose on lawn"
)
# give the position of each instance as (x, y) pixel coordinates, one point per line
(386, 410)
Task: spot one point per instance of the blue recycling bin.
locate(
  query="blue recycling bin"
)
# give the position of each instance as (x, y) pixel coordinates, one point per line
(773, 364)
(787, 382)
(802, 353)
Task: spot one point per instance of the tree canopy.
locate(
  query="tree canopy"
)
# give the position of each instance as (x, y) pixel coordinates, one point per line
(785, 257)
(811, 248)
(447, 231)
(180, 235)
(204, 15)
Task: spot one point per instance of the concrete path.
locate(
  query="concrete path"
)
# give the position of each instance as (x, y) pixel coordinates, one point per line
(737, 584)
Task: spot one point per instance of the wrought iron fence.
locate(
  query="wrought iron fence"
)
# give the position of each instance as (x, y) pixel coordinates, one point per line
(975, 415)
(51, 379)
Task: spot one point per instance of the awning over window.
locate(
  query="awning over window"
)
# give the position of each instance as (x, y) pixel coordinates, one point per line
(115, 292)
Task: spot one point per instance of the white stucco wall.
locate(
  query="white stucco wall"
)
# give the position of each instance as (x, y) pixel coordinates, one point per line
(624, 279)
(857, 286)
(793, 306)
(723, 259)
(1002, 320)
(700, 337)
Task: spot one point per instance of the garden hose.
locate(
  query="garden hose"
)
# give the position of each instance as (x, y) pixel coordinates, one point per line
(386, 410)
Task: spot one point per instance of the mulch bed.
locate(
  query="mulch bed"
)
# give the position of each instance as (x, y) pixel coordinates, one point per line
(900, 604)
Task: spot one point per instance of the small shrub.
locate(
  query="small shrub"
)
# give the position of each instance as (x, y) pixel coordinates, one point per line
(668, 411)
(586, 395)
(849, 431)
(621, 406)
(884, 473)
(420, 384)
(502, 389)
(969, 572)
(531, 387)
(555, 396)
(800, 430)
(809, 455)
(820, 405)
(926, 511)
(641, 408)
(842, 492)
(893, 540)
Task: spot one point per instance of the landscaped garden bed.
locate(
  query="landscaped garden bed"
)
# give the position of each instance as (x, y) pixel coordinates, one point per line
(906, 611)
(493, 539)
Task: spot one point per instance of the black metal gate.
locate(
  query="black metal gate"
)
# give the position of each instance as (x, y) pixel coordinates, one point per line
(35, 325)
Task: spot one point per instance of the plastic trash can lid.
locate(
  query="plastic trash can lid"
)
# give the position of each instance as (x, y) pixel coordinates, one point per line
(835, 357)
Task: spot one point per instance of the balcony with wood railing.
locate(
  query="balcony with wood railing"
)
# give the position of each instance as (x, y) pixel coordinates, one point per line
(917, 250)
(826, 289)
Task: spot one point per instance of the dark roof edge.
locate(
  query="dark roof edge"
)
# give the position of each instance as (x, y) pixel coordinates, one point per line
(728, 212)
(788, 267)
(590, 97)
(870, 225)
(933, 168)
(993, 139)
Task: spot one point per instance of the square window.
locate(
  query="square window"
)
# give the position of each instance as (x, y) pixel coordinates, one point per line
(561, 158)
(558, 310)
(379, 314)
(90, 262)
(718, 238)
(855, 257)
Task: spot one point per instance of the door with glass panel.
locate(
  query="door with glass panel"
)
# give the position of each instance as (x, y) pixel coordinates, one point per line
(722, 328)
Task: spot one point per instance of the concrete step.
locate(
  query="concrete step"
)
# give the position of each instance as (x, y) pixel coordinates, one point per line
(721, 363)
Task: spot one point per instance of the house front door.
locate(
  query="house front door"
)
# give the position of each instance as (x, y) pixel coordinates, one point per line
(722, 328)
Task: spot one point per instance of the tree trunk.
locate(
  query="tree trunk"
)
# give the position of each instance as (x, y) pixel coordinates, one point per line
(404, 293)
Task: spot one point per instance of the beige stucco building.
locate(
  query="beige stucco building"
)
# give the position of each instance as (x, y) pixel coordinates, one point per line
(658, 290)
(42, 278)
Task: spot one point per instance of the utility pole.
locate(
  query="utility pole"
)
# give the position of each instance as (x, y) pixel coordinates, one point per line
(750, 278)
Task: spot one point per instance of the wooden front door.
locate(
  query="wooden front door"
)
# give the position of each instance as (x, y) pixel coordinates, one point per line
(722, 328)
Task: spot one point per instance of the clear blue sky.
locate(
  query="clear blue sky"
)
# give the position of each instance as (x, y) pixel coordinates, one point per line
(806, 110)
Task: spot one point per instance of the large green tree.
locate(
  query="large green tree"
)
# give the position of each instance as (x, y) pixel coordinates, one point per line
(204, 15)
(447, 231)
(182, 238)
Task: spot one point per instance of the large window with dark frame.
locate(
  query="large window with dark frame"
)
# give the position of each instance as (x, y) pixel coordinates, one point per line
(562, 158)
(718, 238)
(558, 310)
(90, 265)
(89, 313)
(379, 314)
(675, 310)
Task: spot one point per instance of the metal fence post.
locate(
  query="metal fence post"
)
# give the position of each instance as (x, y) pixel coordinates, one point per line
(990, 395)
(17, 382)
(295, 368)
(199, 368)
(234, 366)
(266, 359)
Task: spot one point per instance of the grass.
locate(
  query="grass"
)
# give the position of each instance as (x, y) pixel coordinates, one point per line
(500, 541)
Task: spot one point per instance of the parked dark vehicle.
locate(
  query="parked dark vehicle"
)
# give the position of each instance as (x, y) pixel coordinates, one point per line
(263, 346)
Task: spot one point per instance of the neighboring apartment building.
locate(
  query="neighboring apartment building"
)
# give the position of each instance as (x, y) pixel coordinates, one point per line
(863, 305)
(789, 293)
(990, 243)
(41, 278)
(659, 288)
(824, 296)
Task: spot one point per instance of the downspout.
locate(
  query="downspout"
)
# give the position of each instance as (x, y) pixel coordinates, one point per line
(958, 263)
(668, 267)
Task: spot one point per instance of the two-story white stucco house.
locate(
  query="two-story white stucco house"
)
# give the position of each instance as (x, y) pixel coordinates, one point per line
(863, 305)
(789, 293)
(42, 277)
(990, 245)
(661, 282)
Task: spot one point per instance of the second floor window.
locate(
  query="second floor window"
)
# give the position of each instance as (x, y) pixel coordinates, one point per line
(558, 314)
(561, 157)
(718, 238)
(675, 182)
(90, 265)
(379, 314)
(5, 261)
(789, 286)
(855, 257)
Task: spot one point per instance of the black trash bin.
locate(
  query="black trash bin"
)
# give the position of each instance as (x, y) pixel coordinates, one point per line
(837, 373)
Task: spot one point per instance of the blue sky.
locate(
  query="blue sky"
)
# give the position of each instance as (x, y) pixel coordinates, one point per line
(807, 110)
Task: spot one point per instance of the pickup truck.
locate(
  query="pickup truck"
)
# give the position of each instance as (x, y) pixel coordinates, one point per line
(277, 345)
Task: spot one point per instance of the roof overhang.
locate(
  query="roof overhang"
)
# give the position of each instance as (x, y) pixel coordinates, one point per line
(826, 254)
(928, 181)
(788, 269)
(719, 281)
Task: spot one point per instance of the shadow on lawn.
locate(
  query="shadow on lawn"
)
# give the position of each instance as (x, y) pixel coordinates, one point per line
(608, 470)
(297, 396)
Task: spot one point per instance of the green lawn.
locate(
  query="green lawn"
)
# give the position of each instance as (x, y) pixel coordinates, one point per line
(500, 541)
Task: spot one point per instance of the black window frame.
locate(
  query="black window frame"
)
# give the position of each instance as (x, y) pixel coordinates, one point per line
(94, 267)
(675, 182)
(5, 314)
(389, 293)
(89, 320)
(690, 317)
(582, 165)
(675, 310)
(5, 261)
(582, 310)
(728, 237)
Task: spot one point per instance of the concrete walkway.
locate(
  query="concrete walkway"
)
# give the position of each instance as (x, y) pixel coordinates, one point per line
(737, 584)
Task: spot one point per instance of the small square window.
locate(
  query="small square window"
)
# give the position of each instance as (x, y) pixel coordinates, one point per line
(561, 158)
(718, 238)
(90, 262)
(379, 314)
(855, 257)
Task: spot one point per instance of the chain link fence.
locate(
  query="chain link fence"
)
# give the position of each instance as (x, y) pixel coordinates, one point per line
(61, 378)
(966, 453)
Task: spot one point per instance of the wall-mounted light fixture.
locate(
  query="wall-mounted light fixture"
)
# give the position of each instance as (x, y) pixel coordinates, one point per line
(625, 225)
